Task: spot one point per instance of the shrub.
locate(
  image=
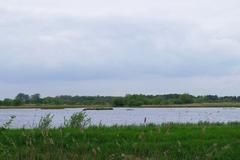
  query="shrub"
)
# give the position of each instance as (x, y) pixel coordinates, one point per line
(45, 121)
(77, 120)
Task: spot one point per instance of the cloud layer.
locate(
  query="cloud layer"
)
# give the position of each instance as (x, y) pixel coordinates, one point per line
(118, 47)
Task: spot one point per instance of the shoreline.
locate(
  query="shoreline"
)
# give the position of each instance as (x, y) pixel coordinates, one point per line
(93, 107)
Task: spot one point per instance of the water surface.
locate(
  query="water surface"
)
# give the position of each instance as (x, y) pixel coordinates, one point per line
(124, 116)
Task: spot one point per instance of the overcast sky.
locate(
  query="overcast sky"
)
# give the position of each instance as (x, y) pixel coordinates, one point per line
(115, 47)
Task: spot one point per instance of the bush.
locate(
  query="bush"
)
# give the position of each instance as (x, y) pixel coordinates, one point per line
(45, 121)
(77, 120)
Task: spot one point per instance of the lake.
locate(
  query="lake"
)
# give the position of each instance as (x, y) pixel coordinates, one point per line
(123, 116)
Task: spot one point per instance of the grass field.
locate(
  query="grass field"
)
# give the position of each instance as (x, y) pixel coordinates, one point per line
(170, 141)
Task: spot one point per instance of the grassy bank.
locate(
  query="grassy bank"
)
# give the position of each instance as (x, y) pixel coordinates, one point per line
(170, 141)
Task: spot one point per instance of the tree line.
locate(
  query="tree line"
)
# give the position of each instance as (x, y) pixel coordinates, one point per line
(128, 100)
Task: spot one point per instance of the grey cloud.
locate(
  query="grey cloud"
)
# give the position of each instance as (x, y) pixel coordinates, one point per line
(63, 48)
(47, 43)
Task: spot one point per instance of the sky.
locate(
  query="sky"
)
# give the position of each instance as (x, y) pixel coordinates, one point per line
(118, 47)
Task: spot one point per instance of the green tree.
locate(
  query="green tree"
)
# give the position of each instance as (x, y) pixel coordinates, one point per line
(16, 102)
(23, 98)
(35, 98)
(186, 98)
(7, 102)
(118, 102)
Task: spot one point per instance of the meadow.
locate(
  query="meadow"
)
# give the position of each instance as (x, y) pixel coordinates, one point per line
(151, 142)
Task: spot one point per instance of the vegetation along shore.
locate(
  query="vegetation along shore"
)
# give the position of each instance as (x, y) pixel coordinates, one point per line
(136, 100)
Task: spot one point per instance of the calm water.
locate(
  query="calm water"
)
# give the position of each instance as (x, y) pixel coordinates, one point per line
(123, 116)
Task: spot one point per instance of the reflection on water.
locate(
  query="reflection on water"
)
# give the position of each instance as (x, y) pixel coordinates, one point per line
(122, 116)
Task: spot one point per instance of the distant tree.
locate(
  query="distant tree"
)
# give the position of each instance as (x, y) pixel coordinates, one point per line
(48, 100)
(23, 98)
(7, 102)
(128, 100)
(16, 102)
(210, 98)
(35, 98)
(118, 102)
(228, 98)
(58, 101)
(186, 98)
(238, 99)
(134, 103)
(157, 100)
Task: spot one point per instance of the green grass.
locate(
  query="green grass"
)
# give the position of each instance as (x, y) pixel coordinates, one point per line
(170, 141)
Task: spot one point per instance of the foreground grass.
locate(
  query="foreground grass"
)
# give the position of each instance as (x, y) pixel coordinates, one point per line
(169, 141)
